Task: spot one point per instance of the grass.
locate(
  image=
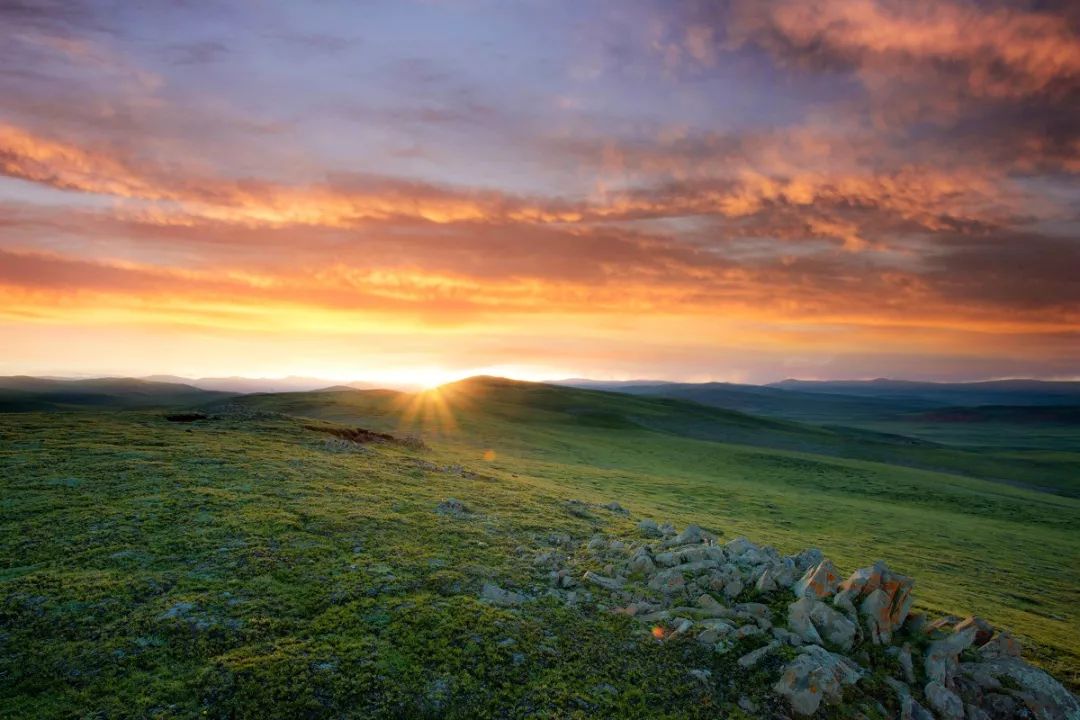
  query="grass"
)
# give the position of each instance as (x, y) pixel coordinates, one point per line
(239, 568)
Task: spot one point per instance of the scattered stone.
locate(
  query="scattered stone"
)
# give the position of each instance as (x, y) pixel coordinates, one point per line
(701, 675)
(747, 705)
(833, 626)
(495, 595)
(608, 583)
(452, 507)
(815, 675)
(649, 528)
(616, 508)
(691, 535)
(753, 657)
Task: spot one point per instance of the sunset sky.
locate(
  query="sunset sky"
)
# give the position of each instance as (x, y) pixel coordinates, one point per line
(744, 190)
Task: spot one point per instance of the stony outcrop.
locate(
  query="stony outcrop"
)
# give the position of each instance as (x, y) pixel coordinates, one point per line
(736, 600)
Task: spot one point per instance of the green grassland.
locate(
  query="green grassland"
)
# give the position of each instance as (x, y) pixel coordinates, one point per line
(242, 566)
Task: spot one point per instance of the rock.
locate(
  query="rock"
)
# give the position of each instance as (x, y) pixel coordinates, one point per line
(667, 530)
(641, 563)
(800, 622)
(495, 595)
(597, 544)
(903, 696)
(766, 582)
(708, 636)
(833, 626)
(733, 589)
(453, 507)
(754, 610)
(709, 603)
(691, 535)
(980, 677)
(819, 581)
(983, 630)
(815, 675)
(616, 508)
(701, 675)
(747, 631)
(903, 657)
(753, 657)
(808, 559)
(944, 701)
(999, 706)
(1044, 697)
(748, 706)
(973, 712)
(682, 626)
(941, 656)
(649, 528)
(668, 582)
(935, 627)
(786, 636)
(1001, 645)
(884, 599)
(608, 583)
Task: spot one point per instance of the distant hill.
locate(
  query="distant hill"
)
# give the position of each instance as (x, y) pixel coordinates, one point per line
(775, 401)
(996, 392)
(29, 394)
(237, 384)
(493, 407)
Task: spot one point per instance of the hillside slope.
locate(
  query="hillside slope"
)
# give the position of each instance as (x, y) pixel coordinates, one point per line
(251, 565)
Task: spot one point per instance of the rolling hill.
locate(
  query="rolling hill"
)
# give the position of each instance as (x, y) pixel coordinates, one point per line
(257, 564)
(26, 394)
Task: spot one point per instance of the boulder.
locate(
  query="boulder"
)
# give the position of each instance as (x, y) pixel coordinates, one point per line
(808, 559)
(941, 657)
(1001, 645)
(983, 630)
(944, 701)
(800, 622)
(690, 536)
(753, 657)
(815, 622)
(819, 581)
(815, 675)
(884, 599)
(649, 528)
(833, 626)
(1044, 697)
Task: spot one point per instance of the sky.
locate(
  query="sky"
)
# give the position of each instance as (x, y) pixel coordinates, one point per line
(741, 190)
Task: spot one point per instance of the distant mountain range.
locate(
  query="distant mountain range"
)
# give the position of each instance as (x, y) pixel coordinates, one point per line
(236, 384)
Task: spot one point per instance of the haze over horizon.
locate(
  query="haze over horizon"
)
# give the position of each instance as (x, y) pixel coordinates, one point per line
(414, 192)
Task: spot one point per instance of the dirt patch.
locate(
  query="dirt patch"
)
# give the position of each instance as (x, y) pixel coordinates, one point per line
(183, 417)
(363, 435)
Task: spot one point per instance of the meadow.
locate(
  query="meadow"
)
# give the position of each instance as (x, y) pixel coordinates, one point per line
(249, 565)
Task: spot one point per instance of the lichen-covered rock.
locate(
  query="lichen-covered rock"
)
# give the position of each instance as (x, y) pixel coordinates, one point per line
(884, 599)
(1001, 645)
(691, 535)
(815, 675)
(983, 630)
(608, 583)
(819, 581)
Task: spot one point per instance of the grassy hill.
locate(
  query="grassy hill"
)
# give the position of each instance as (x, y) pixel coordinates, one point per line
(251, 565)
(29, 394)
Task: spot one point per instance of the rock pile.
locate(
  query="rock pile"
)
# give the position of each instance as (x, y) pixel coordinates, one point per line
(828, 637)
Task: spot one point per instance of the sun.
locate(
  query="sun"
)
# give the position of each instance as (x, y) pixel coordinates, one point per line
(430, 378)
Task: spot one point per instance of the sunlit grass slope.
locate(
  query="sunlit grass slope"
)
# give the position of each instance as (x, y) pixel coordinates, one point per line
(237, 567)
